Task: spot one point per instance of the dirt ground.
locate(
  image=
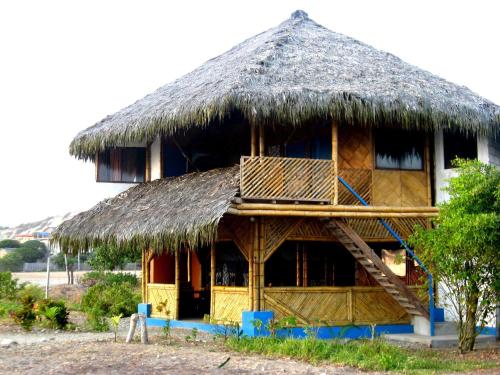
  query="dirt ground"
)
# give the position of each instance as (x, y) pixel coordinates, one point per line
(103, 356)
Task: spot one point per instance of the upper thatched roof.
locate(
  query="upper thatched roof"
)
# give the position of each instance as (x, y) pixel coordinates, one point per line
(293, 72)
(158, 215)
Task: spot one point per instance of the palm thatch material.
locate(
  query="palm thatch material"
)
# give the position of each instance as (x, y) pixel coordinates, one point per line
(295, 72)
(160, 215)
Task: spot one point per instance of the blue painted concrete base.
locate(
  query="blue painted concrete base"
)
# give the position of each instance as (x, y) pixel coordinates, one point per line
(254, 324)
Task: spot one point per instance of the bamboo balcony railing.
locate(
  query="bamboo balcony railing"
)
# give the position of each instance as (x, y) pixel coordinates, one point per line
(287, 179)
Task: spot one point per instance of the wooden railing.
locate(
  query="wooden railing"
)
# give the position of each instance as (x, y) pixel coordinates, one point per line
(287, 179)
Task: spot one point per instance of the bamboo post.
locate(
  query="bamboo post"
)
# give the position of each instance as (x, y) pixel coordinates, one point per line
(335, 158)
(177, 284)
(250, 270)
(253, 140)
(189, 265)
(297, 257)
(212, 279)
(304, 266)
(256, 270)
(261, 141)
(261, 263)
(143, 278)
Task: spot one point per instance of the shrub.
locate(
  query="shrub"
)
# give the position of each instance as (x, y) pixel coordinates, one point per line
(12, 262)
(30, 290)
(99, 277)
(96, 320)
(25, 315)
(55, 313)
(8, 286)
(111, 299)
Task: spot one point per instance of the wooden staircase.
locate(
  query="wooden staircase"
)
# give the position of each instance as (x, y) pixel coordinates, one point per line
(375, 267)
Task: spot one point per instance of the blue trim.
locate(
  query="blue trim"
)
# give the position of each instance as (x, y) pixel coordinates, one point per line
(408, 250)
(487, 331)
(353, 332)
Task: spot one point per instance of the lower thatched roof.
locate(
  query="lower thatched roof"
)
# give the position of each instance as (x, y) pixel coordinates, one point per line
(159, 215)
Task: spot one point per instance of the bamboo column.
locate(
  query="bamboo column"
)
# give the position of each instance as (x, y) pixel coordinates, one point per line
(261, 141)
(177, 283)
(297, 257)
(304, 266)
(250, 269)
(212, 278)
(256, 269)
(253, 140)
(189, 265)
(261, 263)
(143, 275)
(335, 158)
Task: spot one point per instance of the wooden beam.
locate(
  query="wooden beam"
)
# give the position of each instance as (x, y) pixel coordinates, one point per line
(143, 275)
(321, 214)
(335, 158)
(253, 140)
(341, 208)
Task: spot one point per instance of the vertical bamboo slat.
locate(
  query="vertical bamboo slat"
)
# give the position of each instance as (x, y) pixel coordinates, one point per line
(335, 158)
(177, 283)
(261, 262)
(256, 269)
(189, 265)
(143, 276)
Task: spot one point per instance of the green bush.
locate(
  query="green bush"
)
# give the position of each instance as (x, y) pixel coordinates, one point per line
(111, 299)
(9, 244)
(54, 312)
(12, 262)
(8, 286)
(97, 321)
(30, 290)
(25, 315)
(108, 278)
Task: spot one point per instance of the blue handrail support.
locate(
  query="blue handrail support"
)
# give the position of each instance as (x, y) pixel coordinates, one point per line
(408, 250)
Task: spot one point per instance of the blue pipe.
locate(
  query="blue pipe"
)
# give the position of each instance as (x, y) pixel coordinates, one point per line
(408, 250)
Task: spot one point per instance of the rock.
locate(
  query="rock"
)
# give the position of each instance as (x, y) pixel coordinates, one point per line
(7, 343)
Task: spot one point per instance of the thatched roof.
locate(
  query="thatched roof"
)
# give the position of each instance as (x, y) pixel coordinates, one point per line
(162, 214)
(291, 73)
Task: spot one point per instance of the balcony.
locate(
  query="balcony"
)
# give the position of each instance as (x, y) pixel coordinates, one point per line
(301, 180)
(287, 179)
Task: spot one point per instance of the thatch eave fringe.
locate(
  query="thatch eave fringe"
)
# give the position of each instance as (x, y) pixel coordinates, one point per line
(163, 215)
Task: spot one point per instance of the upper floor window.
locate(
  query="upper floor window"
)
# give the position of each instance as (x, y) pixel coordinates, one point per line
(398, 149)
(458, 145)
(124, 164)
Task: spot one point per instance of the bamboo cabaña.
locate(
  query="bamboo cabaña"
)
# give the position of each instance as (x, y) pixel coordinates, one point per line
(224, 231)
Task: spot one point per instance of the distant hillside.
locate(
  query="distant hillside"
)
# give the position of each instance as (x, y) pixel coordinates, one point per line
(45, 225)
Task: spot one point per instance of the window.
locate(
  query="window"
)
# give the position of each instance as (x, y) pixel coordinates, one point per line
(458, 145)
(398, 149)
(127, 164)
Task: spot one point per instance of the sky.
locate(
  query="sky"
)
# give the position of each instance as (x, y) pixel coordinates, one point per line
(65, 65)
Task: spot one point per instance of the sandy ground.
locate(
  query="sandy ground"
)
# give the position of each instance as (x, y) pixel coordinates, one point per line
(56, 278)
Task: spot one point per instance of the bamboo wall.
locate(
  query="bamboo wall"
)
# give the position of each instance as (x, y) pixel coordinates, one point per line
(158, 294)
(335, 305)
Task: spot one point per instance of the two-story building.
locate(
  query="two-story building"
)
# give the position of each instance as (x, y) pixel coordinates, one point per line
(282, 177)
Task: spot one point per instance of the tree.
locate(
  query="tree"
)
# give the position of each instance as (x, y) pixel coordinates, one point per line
(12, 262)
(66, 261)
(9, 244)
(111, 257)
(31, 251)
(462, 249)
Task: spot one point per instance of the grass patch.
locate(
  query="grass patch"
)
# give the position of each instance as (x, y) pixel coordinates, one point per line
(364, 354)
